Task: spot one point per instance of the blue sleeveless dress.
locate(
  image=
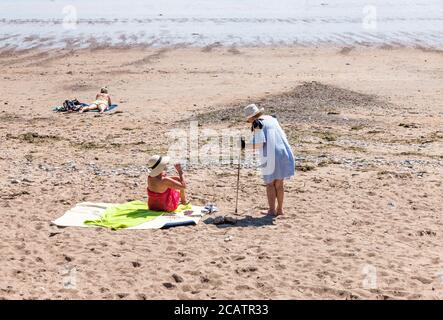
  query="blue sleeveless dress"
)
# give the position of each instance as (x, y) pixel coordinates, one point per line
(277, 159)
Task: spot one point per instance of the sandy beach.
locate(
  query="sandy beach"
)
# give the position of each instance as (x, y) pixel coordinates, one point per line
(366, 127)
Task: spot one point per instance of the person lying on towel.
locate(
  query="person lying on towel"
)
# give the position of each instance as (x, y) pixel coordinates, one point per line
(165, 192)
(101, 103)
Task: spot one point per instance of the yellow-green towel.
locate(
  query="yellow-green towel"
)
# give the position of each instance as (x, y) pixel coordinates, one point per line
(129, 214)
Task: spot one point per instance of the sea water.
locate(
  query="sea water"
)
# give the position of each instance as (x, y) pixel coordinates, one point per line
(84, 23)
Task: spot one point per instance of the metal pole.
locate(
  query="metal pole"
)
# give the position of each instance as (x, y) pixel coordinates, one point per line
(238, 179)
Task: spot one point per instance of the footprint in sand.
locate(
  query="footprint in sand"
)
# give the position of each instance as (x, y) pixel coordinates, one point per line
(246, 270)
(122, 295)
(422, 280)
(263, 255)
(186, 288)
(141, 296)
(243, 287)
(204, 279)
(287, 225)
(103, 290)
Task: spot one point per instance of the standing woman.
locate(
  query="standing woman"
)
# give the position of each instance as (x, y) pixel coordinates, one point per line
(277, 159)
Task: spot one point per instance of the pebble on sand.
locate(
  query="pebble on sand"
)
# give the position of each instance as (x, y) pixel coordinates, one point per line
(177, 278)
(168, 285)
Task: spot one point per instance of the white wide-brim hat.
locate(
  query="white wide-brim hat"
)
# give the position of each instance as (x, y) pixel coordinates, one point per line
(252, 110)
(156, 165)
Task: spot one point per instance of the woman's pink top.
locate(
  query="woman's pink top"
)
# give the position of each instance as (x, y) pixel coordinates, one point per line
(166, 201)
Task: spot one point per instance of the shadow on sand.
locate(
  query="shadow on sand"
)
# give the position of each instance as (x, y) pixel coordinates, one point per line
(247, 221)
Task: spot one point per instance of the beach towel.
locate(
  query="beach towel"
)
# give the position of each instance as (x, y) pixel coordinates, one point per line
(129, 214)
(62, 109)
(134, 215)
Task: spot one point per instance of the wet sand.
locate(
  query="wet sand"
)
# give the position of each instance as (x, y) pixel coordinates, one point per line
(366, 126)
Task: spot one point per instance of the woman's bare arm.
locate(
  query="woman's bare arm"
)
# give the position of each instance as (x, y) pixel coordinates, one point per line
(179, 169)
(249, 145)
(254, 146)
(178, 184)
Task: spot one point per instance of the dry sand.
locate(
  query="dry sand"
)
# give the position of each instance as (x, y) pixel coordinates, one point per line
(366, 125)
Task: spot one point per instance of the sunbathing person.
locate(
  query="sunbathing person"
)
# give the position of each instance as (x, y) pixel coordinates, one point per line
(165, 193)
(101, 103)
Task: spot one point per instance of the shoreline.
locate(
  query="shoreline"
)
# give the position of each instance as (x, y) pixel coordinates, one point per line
(219, 45)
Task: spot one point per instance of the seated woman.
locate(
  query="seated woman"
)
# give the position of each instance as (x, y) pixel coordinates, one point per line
(164, 192)
(101, 103)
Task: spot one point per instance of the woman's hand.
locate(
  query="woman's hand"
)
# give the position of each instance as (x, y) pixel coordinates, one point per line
(179, 169)
(242, 143)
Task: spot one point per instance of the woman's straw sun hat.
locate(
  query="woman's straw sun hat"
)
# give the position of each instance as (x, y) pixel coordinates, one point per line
(252, 110)
(157, 164)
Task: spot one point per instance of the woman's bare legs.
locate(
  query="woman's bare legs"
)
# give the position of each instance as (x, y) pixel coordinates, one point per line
(182, 192)
(183, 197)
(102, 107)
(280, 192)
(87, 108)
(272, 194)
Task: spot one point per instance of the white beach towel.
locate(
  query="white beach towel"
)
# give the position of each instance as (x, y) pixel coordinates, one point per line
(76, 216)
